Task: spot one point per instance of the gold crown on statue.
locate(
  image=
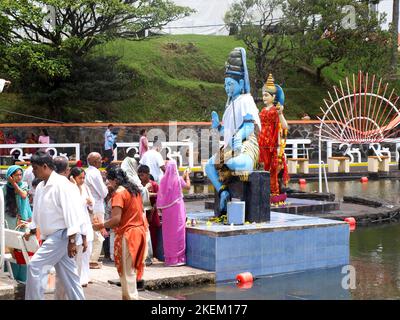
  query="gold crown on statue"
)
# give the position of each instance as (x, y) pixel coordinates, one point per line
(269, 86)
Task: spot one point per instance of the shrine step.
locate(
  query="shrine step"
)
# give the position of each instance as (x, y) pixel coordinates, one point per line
(298, 206)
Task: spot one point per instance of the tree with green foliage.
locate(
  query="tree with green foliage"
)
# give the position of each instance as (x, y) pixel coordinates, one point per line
(263, 32)
(327, 32)
(44, 42)
(79, 25)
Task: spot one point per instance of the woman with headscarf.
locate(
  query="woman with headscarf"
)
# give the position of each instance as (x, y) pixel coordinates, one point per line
(17, 208)
(170, 203)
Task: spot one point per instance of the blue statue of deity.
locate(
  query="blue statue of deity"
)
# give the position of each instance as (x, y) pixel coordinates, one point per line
(240, 120)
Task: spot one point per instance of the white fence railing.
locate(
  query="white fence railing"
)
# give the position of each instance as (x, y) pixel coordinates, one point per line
(174, 150)
(52, 148)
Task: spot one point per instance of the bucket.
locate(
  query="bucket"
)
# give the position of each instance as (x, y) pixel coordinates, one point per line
(236, 212)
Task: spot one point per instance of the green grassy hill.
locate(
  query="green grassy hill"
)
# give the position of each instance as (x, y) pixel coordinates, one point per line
(181, 78)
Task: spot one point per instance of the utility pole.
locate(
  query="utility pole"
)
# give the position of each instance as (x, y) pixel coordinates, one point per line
(395, 33)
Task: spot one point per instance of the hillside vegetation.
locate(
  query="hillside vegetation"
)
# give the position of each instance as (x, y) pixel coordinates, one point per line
(181, 78)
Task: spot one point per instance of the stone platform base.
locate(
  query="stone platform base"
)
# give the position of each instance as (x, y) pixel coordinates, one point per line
(288, 243)
(7, 288)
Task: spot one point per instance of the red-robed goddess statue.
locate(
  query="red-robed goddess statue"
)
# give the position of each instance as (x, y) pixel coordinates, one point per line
(272, 139)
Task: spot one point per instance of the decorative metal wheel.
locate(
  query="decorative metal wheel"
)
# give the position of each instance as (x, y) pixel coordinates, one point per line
(360, 111)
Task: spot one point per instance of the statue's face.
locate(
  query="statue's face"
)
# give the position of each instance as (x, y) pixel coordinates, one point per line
(268, 98)
(233, 88)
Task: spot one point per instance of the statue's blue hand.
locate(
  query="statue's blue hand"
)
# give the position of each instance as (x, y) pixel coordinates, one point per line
(223, 202)
(214, 120)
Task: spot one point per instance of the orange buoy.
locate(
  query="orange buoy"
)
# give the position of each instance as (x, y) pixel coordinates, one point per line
(364, 179)
(302, 181)
(352, 223)
(245, 277)
(245, 286)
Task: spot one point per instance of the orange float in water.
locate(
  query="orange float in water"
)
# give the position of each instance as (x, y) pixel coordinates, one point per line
(245, 286)
(302, 181)
(364, 179)
(245, 277)
(352, 223)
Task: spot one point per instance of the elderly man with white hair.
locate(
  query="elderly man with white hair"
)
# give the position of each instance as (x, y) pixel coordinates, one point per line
(99, 191)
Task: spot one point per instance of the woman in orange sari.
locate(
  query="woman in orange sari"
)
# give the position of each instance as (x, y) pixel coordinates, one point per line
(129, 224)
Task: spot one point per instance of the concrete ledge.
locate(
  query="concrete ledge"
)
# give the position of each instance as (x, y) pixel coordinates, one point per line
(312, 196)
(180, 281)
(7, 288)
(367, 201)
(198, 196)
(157, 276)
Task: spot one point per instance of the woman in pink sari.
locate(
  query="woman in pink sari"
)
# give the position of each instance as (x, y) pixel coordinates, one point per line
(170, 203)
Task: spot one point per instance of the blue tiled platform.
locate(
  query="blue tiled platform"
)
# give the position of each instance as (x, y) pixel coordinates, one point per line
(288, 243)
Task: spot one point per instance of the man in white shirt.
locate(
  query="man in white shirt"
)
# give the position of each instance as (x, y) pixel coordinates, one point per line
(99, 190)
(62, 168)
(57, 218)
(154, 160)
(4, 84)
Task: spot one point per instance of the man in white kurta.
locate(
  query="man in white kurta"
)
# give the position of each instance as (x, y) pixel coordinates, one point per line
(86, 231)
(154, 160)
(57, 218)
(99, 191)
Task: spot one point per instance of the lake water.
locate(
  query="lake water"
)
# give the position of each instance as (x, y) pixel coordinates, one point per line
(374, 254)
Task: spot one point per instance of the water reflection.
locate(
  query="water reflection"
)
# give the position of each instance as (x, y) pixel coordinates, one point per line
(383, 189)
(323, 284)
(374, 252)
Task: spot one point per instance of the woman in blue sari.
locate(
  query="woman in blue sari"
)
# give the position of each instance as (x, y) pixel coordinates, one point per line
(17, 208)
